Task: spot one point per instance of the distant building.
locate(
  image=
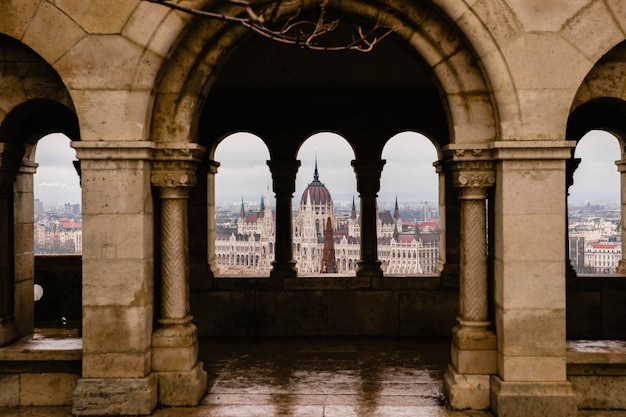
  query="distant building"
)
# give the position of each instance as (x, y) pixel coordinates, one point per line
(403, 248)
(603, 257)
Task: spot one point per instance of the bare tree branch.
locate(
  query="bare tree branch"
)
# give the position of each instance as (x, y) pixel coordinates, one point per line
(295, 31)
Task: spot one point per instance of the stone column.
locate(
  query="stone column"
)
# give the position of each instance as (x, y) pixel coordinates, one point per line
(621, 167)
(368, 185)
(529, 280)
(284, 185)
(24, 247)
(570, 168)
(213, 266)
(10, 157)
(473, 354)
(118, 277)
(182, 379)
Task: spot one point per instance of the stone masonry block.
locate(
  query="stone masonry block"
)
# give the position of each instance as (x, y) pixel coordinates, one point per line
(531, 332)
(591, 27)
(112, 115)
(599, 392)
(9, 390)
(531, 285)
(183, 389)
(532, 368)
(52, 33)
(126, 282)
(542, 16)
(116, 365)
(521, 243)
(108, 16)
(540, 399)
(117, 329)
(47, 389)
(467, 391)
(115, 396)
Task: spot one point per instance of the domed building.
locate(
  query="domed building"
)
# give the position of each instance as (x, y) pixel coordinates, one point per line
(250, 248)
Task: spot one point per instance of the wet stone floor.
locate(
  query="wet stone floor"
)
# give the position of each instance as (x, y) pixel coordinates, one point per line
(318, 377)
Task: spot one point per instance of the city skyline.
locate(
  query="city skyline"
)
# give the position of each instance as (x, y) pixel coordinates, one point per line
(244, 173)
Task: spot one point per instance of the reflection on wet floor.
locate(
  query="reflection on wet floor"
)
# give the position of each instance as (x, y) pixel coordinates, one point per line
(324, 377)
(318, 378)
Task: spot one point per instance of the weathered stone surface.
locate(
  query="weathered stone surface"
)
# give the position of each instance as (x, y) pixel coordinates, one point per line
(52, 33)
(47, 389)
(9, 390)
(107, 16)
(465, 391)
(539, 16)
(115, 396)
(183, 388)
(518, 399)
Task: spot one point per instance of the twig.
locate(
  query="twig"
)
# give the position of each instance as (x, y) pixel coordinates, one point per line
(302, 33)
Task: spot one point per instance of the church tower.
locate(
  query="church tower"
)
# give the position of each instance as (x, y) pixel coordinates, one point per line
(329, 262)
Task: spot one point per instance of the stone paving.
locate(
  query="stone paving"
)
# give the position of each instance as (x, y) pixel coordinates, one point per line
(318, 378)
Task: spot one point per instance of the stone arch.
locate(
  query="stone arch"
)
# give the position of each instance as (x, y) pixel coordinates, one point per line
(599, 104)
(186, 79)
(36, 104)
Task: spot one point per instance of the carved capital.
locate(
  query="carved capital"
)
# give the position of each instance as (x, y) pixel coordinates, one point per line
(472, 167)
(368, 175)
(175, 166)
(213, 166)
(284, 176)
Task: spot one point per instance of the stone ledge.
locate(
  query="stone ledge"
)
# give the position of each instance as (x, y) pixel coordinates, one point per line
(600, 352)
(44, 346)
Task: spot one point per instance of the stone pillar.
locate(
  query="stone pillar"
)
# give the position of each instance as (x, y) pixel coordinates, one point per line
(182, 379)
(441, 262)
(529, 275)
(213, 166)
(474, 355)
(117, 280)
(621, 167)
(368, 185)
(24, 247)
(10, 157)
(284, 185)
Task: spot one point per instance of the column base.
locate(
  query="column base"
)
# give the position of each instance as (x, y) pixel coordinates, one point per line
(537, 399)
(184, 388)
(467, 391)
(115, 396)
(8, 331)
(284, 270)
(175, 346)
(369, 269)
(474, 350)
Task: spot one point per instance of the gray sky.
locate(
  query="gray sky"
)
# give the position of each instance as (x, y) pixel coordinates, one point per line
(408, 172)
(56, 180)
(596, 178)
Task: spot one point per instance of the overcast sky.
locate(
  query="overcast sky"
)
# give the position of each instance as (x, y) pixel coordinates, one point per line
(56, 180)
(596, 178)
(408, 172)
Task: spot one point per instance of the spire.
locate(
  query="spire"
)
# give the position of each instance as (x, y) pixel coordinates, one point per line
(316, 176)
(353, 212)
(242, 212)
(262, 208)
(396, 212)
(329, 262)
